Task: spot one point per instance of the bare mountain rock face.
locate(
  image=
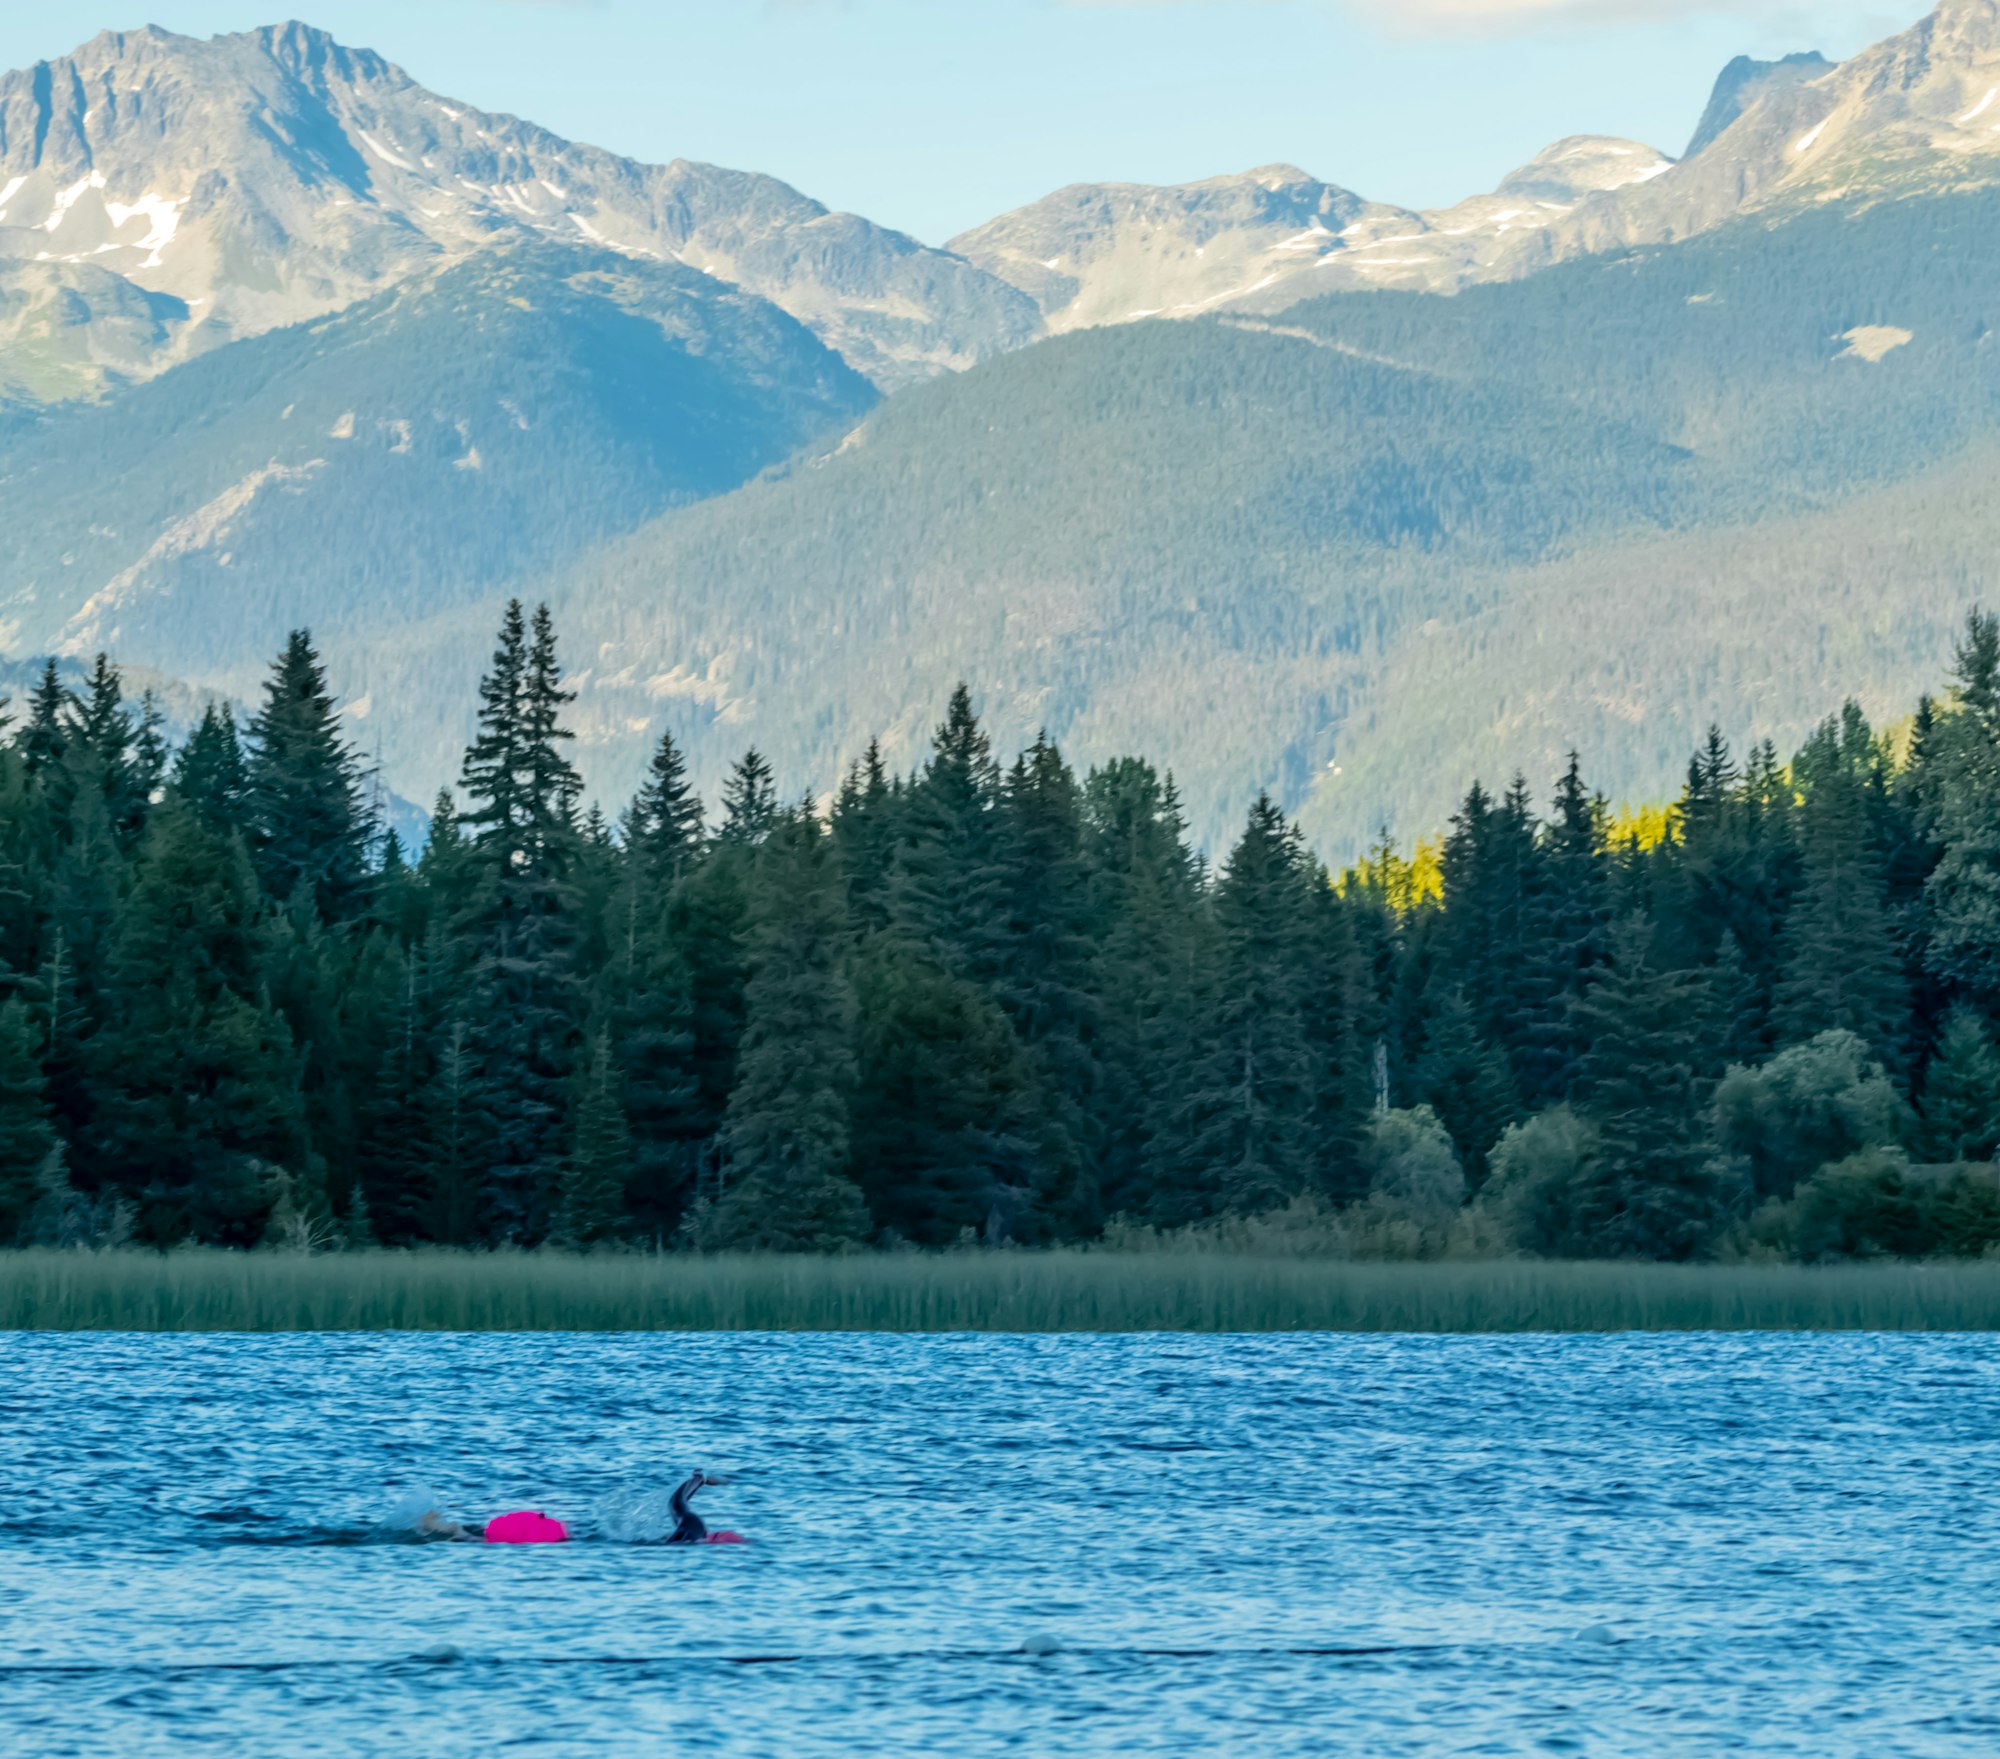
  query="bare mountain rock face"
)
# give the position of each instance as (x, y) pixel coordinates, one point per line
(285, 339)
(1742, 82)
(160, 196)
(1112, 253)
(1920, 110)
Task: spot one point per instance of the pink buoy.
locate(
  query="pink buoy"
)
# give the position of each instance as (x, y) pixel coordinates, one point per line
(525, 1527)
(726, 1539)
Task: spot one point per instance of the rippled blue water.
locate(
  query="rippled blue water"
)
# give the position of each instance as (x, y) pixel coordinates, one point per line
(1042, 1546)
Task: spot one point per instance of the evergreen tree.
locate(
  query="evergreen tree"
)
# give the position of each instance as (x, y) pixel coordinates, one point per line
(647, 992)
(101, 753)
(1566, 921)
(663, 825)
(51, 718)
(1961, 1104)
(600, 1157)
(1465, 1081)
(196, 1098)
(864, 831)
(1043, 982)
(1341, 1034)
(1150, 962)
(209, 772)
(151, 755)
(1963, 891)
(1737, 1023)
(521, 926)
(749, 801)
(948, 886)
(456, 1128)
(1251, 1145)
(1642, 1086)
(788, 1128)
(308, 826)
(943, 1119)
(30, 1151)
(1840, 966)
(399, 1147)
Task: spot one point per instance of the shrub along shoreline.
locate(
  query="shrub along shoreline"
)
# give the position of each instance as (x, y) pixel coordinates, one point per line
(994, 1292)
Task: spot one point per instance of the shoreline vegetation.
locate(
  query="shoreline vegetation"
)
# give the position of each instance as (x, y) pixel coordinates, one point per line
(984, 1004)
(1061, 1291)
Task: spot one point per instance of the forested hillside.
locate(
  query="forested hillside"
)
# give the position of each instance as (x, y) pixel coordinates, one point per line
(419, 451)
(1349, 556)
(986, 999)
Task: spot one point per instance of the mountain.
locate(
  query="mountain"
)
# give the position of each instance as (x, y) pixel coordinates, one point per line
(1361, 552)
(1742, 82)
(1917, 112)
(161, 196)
(1702, 437)
(447, 442)
(1112, 253)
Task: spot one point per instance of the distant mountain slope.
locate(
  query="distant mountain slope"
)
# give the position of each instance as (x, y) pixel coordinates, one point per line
(1919, 112)
(1741, 83)
(1916, 114)
(443, 443)
(1112, 253)
(1279, 553)
(160, 195)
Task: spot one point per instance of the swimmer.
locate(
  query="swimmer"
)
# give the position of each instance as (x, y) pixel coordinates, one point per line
(689, 1527)
(532, 1527)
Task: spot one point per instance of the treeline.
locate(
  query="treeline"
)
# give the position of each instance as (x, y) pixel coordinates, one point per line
(984, 1002)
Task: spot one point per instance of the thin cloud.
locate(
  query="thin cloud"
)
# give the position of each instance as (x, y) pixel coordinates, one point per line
(1482, 17)
(1467, 18)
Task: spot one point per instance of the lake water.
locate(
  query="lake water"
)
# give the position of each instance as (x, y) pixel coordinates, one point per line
(1297, 1545)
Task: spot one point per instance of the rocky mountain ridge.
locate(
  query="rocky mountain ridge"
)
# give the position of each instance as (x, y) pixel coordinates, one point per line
(161, 195)
(1921, 110)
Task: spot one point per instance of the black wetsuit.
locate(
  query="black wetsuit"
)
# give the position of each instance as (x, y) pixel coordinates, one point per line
(690, 1528)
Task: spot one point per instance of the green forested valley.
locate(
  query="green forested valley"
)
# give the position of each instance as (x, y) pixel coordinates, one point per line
(987, 999)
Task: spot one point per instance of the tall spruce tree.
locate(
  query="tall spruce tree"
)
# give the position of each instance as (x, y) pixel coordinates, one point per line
(865, 811)
(309, 829)
(646, 994)
(943, 1117)
(1150, 955)
(663, 824)
(1043, 982)
(1963, 891)
(749, 801)
(788, 1127)
(1840, 963)
(209, 772)
(1642, 1084)
(520, 927)
(948, 887)
(51, 720)
(1566, 914)
(1253, 1100)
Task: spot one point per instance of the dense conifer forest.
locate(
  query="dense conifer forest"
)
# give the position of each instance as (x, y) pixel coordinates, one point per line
(988, 1002)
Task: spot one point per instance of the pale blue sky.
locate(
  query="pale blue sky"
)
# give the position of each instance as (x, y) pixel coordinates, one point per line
(933, 115)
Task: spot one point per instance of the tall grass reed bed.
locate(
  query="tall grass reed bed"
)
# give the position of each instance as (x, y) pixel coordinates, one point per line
(965, 1292)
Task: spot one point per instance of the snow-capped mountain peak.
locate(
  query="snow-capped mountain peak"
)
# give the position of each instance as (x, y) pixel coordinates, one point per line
(214, 189)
